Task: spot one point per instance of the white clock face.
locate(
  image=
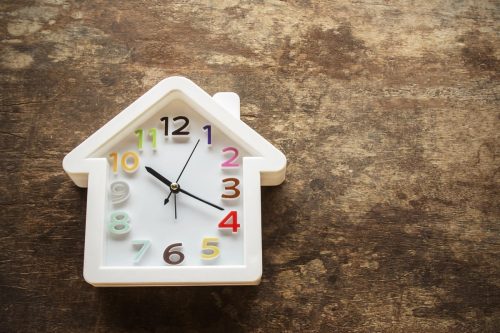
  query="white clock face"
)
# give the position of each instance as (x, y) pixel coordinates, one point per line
(180, 156)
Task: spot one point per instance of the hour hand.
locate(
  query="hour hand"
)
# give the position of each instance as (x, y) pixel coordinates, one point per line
(158, 176)
(162, 179)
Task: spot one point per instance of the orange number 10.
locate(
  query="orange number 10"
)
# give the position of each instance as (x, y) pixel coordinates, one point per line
(129, 161)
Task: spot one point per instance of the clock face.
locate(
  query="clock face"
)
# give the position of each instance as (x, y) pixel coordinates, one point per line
(174, 194)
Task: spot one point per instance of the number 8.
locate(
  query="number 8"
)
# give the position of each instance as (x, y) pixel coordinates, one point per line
(119, 224)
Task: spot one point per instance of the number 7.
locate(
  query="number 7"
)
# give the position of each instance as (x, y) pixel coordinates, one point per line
(145, 246)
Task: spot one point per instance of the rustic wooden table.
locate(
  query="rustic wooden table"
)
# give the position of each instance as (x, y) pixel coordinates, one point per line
(387, 111)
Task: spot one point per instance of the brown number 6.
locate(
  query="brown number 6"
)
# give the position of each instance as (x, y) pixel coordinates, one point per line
(167, 254)
(236, 192)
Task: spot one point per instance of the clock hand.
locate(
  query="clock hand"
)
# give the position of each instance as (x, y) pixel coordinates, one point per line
(200, 199)
(182, 171)
(175, 205)
(177, 187)
(158, 176)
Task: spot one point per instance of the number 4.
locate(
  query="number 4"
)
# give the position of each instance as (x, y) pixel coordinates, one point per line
(233, 216)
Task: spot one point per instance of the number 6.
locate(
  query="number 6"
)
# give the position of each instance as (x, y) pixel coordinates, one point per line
(167, 254)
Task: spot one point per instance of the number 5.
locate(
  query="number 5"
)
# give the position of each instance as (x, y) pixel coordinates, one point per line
(206, 247)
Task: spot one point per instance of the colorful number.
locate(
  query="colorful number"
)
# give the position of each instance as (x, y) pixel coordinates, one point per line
(180, 131)
(140, 137)
(209, 252)
(168, 254)
(230, 162)
(233, 216)
(208, 129)
(144, 246)
(120, 191)
(236, 191)
(114, 156)
(139, 132)
(165, 120)
(120, 223)
(152, 134)
(130, 167)
(127, 157)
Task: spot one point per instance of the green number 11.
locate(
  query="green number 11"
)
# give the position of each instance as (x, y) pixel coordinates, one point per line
(140, 137)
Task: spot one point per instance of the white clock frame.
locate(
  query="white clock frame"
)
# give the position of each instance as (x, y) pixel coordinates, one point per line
(266, 167)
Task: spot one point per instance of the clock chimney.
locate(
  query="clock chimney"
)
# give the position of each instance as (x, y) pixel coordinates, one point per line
(229, 101)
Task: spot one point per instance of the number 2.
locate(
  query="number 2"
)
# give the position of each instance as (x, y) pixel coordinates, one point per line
(230, 162)
(180, 130)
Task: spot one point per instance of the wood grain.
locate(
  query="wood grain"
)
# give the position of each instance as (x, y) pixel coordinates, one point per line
(387, 111)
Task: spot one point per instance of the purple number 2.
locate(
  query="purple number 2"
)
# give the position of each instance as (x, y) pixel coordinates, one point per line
(230, 162)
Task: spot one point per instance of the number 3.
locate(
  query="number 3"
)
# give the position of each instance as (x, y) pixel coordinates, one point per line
(236, 192)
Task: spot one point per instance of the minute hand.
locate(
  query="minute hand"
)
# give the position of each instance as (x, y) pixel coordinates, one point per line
(168, 183)
(200, 199)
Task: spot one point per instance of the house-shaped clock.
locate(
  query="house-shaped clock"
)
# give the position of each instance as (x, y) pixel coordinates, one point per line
(174, 191)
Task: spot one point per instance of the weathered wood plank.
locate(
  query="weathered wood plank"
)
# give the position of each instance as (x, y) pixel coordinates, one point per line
(387, 112)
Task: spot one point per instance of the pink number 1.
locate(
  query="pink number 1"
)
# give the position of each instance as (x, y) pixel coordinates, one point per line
(230, 162)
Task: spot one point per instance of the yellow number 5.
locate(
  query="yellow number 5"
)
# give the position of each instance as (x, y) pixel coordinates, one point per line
(209, 252)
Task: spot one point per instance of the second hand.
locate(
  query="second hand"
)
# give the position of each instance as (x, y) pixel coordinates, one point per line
(182, 171)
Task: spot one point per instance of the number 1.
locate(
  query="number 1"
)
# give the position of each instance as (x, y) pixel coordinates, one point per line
(139, 134)
(152, 134)
(208, 128)
(114, 156)
(165, 119)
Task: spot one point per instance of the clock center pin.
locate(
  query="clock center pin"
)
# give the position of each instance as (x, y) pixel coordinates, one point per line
(175, 187)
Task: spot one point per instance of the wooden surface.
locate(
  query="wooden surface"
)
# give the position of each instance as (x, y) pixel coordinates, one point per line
(387, 111)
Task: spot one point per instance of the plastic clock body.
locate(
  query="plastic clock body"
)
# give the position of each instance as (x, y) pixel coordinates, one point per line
(174, 191)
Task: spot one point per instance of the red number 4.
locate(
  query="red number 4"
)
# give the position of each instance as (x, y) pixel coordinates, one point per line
(233, 216)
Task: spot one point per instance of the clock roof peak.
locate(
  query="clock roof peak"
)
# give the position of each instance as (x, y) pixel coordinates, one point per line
(222, 110)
